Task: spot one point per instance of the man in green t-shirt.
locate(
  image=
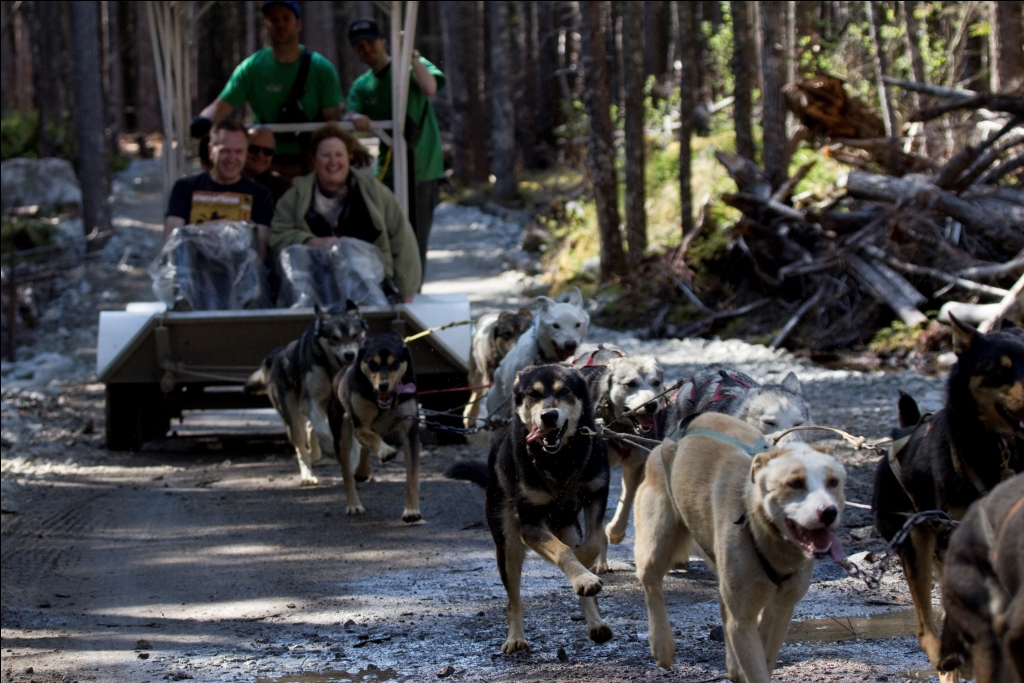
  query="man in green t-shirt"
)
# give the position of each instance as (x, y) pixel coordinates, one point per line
(265, 80)
(370, 99)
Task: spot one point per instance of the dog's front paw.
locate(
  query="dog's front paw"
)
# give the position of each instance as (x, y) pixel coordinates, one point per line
(308, 480)
(386, 452)
(355, 510)
(513, 645)
(411, 515)
(615, 536)
(587, 585)
(663, 652)
(600, 633)
(600, 567)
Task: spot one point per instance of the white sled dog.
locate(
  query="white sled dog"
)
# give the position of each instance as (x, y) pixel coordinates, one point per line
(558, 330)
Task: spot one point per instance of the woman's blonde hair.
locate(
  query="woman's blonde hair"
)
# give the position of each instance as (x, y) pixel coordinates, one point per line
(359, 156)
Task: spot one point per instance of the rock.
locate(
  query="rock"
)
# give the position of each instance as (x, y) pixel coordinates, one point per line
(562, 656)
(863, 533)
(534, 238)
(860, 559)
(43, 368)
(49, 183)
(591, 266)
(445, 671)
(70, 235)
(717, 634)
(142, 645)
(143, 655)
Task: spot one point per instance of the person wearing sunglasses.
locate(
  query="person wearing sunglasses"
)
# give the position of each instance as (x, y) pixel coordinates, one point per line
(259, 160)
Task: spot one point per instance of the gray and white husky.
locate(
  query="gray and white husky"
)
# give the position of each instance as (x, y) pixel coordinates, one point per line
(768, 407)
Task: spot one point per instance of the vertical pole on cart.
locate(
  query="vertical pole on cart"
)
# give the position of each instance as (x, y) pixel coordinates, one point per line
(403, 35)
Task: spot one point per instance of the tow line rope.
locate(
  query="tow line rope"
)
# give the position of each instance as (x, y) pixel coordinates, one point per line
(424, 333)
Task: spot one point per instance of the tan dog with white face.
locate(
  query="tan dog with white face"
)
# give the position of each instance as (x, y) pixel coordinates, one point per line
(759, 522)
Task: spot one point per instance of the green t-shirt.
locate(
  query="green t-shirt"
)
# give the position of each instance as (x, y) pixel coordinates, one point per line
(265, 84)
(371, 95)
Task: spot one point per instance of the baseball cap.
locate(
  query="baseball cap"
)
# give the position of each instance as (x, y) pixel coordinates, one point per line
(363, 29)
(290, 4)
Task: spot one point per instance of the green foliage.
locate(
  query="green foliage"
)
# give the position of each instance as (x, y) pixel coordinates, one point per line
(720, 50)
(896, 337)
(19, 134)
(26, 233)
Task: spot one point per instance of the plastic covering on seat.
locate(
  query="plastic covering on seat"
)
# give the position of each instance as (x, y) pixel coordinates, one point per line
(210, 268)
(351, 269)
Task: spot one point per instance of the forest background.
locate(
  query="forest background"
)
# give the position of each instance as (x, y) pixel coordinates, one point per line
(645, 142)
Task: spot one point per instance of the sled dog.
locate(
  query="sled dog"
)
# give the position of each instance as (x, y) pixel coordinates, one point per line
(495, 335)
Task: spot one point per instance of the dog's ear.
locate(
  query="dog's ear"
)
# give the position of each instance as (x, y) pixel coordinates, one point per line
(906, 408)
(504, 315)
(1011, 326)
(515, 385)
(821, 448)
(351, 308)
(544, 303)
(791, 384)
(526, 313)
(964, 335)
(576, 298)
(762, 459)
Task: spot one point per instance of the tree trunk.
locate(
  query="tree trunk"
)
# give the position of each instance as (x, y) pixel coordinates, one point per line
(773, 71)
(913, 34)
(92, 157)
(503, 133)
(656, 39)
(526, 85)
(318, 27)
(41, 17)
(876, 18)
(250, 27)
(1006, 40)
(687, 15)
(112, 71)
(743, 74)
(633, 81)
(147, 106)
(791, 41)
(458, 19)
(547, 114)
(600, 152)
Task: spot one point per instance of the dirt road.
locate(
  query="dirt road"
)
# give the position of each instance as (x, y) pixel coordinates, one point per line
(200, 558)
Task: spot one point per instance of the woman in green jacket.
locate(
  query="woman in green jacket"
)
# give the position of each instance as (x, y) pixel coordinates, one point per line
(337, 200)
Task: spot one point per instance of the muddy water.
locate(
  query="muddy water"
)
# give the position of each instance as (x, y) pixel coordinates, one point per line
(361, 676)
(886, 625)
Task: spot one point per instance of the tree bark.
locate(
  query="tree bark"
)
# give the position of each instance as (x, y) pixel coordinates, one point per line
(743, 76)
(600, 152)
(112, 71)
(503, 132)
(773, 105)
(147, 105)
(547, 114)
(318, 27)
(526, 90)
(687, 22)
(1006, 40)
(656, 39)
(92, 158)
(250, 27)
(913, 35)
(633, 80)
(875, 11)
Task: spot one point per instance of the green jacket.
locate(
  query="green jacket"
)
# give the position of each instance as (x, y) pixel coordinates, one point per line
(397, 242)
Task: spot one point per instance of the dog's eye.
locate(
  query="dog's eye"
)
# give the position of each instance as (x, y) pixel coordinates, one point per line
(556, 326)
(796, 484)
(767, 422)
(563, 392)
(577, 325)
(632, 384)
(656, 383)
(832, 483)
(535, 395)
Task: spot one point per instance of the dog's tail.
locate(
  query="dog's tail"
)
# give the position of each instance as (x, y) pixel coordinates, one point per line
(468, 470)
(257, 382)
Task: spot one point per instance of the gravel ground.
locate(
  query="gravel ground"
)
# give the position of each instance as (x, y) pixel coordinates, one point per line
(200, 558)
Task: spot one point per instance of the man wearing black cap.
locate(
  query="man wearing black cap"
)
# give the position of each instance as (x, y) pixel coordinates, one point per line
(370, 99)
(285, 83)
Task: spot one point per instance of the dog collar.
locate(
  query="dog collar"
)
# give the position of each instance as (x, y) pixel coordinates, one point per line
(770, 571)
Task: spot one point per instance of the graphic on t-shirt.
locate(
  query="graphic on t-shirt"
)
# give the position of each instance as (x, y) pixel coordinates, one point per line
(220, 206)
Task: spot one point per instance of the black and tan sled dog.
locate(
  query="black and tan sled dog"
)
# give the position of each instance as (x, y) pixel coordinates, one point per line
(983, 588)
(297, 379)
(376, 398)
(540, 475)
(952, 458)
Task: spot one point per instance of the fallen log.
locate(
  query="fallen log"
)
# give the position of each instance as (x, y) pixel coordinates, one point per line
(929, 89)
(1012, 267)
(876, 187)
(752, 205)
(1012, 306)
(993, 101)
(877, 253)
(800, 313)
(883, 290)
(698, 326)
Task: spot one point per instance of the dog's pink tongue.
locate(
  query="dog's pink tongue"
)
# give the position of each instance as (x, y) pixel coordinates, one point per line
(823, 539)
(836, 551)
(538, 432)
(644, 420)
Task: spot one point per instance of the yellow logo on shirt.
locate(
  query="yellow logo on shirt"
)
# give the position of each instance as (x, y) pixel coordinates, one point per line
(220, 206)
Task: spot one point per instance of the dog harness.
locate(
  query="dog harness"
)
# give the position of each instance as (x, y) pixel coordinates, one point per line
(759, 447)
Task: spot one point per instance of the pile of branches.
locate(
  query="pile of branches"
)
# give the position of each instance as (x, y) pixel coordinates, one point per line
(917, 237)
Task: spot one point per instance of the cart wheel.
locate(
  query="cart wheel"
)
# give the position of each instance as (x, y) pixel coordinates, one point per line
(136, 413)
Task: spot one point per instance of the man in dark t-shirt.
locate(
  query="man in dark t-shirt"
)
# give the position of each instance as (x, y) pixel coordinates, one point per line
(210, 198)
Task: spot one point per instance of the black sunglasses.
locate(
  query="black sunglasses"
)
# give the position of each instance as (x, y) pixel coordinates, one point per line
(256, 149)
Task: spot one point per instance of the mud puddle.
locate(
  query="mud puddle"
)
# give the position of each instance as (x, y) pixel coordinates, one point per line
(361, 676)
(835, 629)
